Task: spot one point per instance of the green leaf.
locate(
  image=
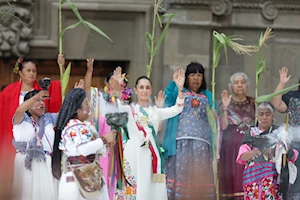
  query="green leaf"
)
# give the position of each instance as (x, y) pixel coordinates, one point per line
(76, 12)
(65, 80)
(219, 37)
(148, 41)
(161, 38)
(69, 27)
(98, 30)
(62, 1)
(268, 97)
(211, 119)
(261, 67)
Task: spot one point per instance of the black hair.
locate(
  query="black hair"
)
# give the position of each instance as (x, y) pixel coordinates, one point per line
(28, 96)
(142, 77)
(108, 77)
(25, 61)
(71, 103)
(195, 67)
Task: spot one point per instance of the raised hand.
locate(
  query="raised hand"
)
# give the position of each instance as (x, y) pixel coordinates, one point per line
(90, 64)
(41, 95)
(179, 77)
(225, 99)
(283, 73)
(61, 59)
(115, 85)
(118, 75)
(160, 99)
(80, 84)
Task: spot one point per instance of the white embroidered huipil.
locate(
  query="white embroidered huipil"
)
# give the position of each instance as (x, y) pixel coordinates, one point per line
(77, 140)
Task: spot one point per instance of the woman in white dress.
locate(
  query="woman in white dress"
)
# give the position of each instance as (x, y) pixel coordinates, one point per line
(143, 160)
(77, 143)
(33, 140)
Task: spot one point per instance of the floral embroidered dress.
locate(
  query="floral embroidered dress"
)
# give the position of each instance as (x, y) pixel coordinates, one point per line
(190, 171)
(77, 140)
(144, 163)
(241, 116)
(37, 183)
(292, 100)
(260, 179)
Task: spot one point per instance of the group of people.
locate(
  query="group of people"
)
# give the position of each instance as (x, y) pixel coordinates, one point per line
(52, 138)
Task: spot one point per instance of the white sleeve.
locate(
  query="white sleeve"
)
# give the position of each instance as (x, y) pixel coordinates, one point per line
(166, 113)
(90, 147)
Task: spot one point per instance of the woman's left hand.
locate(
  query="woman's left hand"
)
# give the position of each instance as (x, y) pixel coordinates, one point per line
(179, 78)
(80, 84)
(160, 99)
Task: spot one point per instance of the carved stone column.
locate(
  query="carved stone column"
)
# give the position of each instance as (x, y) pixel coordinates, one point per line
(15, 28)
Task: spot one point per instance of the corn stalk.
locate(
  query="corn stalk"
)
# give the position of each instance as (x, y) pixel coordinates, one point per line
(261, 61)
(220, 41)
(65, 74)
(152, 44)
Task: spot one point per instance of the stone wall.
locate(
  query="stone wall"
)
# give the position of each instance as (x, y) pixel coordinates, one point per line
(189, 37)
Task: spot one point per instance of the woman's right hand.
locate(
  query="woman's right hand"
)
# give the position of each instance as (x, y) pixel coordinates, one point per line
(255, 153)
(179, 77)
(283, 73)
(110, 137)
(41, 95)
(225, 99)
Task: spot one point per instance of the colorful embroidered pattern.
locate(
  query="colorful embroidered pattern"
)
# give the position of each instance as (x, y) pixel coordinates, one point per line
(128, 192)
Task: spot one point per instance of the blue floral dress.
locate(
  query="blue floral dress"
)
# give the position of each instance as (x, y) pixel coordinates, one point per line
(190, 171)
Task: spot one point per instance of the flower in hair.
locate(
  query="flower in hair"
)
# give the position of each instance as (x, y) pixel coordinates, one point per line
(17, 65)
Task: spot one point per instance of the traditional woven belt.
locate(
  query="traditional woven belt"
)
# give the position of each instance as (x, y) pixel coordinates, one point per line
(24, 152)
(74, 160)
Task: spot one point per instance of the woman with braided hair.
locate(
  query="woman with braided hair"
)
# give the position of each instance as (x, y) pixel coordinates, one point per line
(75, 142)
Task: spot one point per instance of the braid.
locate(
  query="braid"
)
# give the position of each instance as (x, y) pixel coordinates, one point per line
(72, 102)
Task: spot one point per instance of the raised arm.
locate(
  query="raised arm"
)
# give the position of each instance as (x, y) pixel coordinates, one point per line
(88, 77)
(277, 102)
(178, 78)
(224, 109)
(19, 114)
(171, 90)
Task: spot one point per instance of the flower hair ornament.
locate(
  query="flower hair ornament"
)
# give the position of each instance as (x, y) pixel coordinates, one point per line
(17, 65)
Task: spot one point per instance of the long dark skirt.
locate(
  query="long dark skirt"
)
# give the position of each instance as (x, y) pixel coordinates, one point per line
(190, 171)
(230, 172)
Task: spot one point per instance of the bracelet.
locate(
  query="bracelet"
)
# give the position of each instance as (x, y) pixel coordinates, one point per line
(103, 139)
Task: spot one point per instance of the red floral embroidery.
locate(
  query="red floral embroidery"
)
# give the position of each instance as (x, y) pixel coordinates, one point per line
(84, 131)
(73, 134)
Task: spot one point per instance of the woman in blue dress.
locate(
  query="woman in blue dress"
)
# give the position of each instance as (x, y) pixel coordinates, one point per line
(187, 141)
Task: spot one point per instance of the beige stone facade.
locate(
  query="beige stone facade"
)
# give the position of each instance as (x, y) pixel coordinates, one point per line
(189, 37)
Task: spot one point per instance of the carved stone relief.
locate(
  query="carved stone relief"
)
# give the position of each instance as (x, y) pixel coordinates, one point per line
(15, 28)
(269, 9)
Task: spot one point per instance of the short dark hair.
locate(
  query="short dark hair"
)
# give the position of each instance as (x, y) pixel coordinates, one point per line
(195, 67)
(28, 96)
(142, 77)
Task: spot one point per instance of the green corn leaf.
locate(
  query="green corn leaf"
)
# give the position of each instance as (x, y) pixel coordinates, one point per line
(76, 12)
(268, 97)
(148, 41)
(161, 38)
(261, 68)
(69, 27)
(211, 119)
(219, 37)
(65, 80)
(62, 1)
(98, 30)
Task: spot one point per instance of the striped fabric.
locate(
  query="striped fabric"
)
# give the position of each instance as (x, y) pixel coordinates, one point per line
(258, 171)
